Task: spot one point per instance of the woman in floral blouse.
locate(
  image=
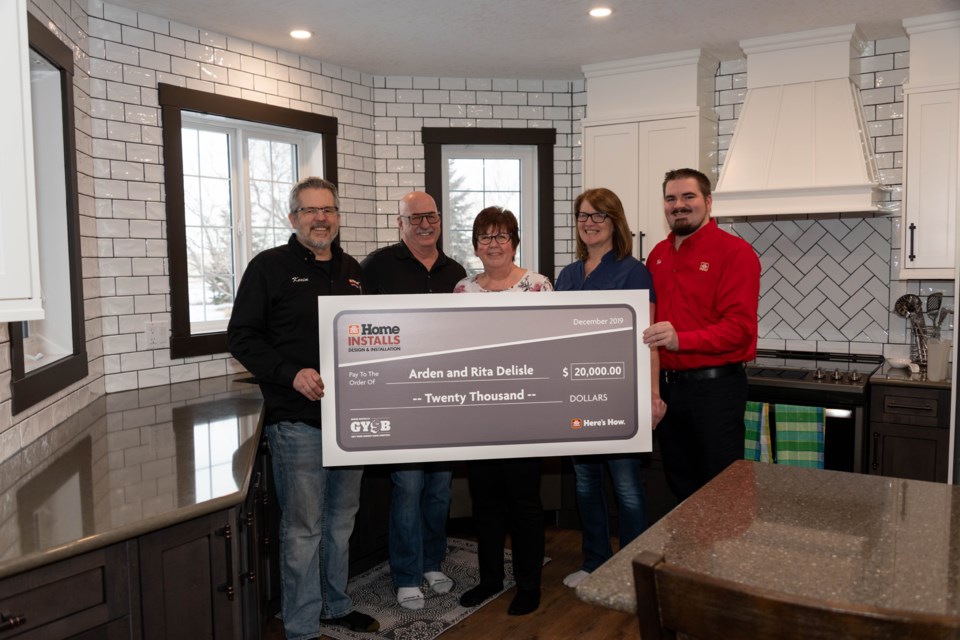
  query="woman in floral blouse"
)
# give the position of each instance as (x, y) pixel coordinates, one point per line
(505, 493)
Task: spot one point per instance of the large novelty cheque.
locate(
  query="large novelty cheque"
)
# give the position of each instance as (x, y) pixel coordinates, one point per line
(416, 378)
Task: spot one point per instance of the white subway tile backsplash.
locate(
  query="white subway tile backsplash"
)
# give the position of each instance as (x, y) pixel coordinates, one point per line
(877, 96)
(265, 53)
(125, 54)
(139, 76)
(895, 77)
(143, 191)
(147, 266)
(479, 111)
(893, 110)
(185, 67)
(106, 70)
(893, 45)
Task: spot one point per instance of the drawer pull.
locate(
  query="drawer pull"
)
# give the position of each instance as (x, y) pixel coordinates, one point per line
(915, 407)
(8, 621)
(876, 448)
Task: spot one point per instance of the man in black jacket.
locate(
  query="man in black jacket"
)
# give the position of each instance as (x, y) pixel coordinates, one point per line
(274, 333)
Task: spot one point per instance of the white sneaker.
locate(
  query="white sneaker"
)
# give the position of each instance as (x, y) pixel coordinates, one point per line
(439, 581)
(410, 598)
(575, 578)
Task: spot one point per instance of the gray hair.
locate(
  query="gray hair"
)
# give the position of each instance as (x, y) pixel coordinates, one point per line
(312, 182)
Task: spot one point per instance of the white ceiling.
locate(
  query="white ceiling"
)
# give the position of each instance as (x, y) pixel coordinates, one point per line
(537, 39)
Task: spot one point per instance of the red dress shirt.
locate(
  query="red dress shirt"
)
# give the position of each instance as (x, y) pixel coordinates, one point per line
(708, 289)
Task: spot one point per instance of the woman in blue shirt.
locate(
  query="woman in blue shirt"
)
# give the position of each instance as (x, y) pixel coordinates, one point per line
(604, 262)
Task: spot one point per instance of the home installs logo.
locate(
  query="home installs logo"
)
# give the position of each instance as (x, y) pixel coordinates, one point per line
(373, 337)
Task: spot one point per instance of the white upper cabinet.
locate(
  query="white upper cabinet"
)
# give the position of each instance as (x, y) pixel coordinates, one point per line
(646, 116)
(932, 141)
(20, 296)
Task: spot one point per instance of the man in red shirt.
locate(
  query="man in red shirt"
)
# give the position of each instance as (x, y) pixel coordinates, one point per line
(708, 285)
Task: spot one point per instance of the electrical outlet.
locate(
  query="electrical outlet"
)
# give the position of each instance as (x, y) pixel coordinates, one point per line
(157, 334)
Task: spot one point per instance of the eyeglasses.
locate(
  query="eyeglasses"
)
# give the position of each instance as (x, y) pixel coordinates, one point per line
(501, 238)
(316, 211)
(597, 217)
(416, 218)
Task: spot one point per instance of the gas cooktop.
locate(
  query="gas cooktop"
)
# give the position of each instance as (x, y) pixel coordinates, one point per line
(841, 373)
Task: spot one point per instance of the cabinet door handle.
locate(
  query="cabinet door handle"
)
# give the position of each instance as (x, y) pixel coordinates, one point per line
(913, 229)
(642, 234)
(227, 534)
(876, 450)
(11, 620)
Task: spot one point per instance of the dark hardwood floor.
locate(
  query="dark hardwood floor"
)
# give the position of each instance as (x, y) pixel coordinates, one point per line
(560, 616)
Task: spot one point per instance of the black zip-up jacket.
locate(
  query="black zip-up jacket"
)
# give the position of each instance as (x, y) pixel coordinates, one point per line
(273, 329)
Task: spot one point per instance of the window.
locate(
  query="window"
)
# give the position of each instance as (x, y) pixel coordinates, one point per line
(476, 177)
(468, 169)
(49, 355)
(236, 179)
(229, 167)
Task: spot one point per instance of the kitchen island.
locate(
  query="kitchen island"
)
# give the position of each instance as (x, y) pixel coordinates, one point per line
(862, 539)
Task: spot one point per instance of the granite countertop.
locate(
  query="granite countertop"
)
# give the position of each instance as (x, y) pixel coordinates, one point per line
(898, 376)
(128, 463)
(870, 540)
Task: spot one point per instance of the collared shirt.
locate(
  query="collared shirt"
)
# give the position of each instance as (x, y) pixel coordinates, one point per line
(709, 290)
(611, 273)
(395, 269)
(274, 330)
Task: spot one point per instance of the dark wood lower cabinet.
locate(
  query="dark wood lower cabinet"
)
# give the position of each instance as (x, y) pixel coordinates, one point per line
(909, 434)
(86, 596)
(212, 577)
(913, 452)
(188, 579)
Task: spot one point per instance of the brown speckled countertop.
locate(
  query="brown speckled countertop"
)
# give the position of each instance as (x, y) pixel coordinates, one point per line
(128, 463)
(870, 540)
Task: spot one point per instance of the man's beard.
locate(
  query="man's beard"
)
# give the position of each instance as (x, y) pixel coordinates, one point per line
(319, 245)
(682, 226)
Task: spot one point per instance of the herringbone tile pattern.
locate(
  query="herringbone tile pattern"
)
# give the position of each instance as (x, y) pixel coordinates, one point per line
(822, 279)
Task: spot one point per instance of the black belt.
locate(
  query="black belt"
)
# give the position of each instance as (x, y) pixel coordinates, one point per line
(697, 375)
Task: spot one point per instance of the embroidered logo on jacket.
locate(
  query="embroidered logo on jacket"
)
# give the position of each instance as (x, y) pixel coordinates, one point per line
(354, 283)
(704, 266)
(299, 279)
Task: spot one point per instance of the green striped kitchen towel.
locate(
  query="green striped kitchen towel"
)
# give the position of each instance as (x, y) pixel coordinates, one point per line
(799, 435)
(756, 441)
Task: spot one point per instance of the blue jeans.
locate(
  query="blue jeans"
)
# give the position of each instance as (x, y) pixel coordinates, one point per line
(418, 522)
(318, 507)
(592, 503)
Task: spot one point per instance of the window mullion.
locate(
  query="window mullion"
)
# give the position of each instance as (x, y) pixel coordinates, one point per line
(241, 211)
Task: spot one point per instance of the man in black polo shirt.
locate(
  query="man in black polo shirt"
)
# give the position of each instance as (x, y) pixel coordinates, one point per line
(421, 492)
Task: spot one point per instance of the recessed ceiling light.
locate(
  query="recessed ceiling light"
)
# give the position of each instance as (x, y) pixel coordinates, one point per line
(600, 12)
(300, 34)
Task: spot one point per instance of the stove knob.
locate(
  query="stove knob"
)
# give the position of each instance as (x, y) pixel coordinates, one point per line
(856, 377)
(836, 376)
(819, 374)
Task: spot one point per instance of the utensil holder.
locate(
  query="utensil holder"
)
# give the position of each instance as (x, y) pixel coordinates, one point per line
(918, 346)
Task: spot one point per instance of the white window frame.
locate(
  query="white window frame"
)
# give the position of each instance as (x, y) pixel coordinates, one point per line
(527, 215)
(309, 161)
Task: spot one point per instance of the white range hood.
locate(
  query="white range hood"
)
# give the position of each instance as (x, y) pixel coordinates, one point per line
(800, 143)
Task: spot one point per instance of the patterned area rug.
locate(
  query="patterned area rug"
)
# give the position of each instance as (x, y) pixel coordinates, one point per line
(373, 594)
